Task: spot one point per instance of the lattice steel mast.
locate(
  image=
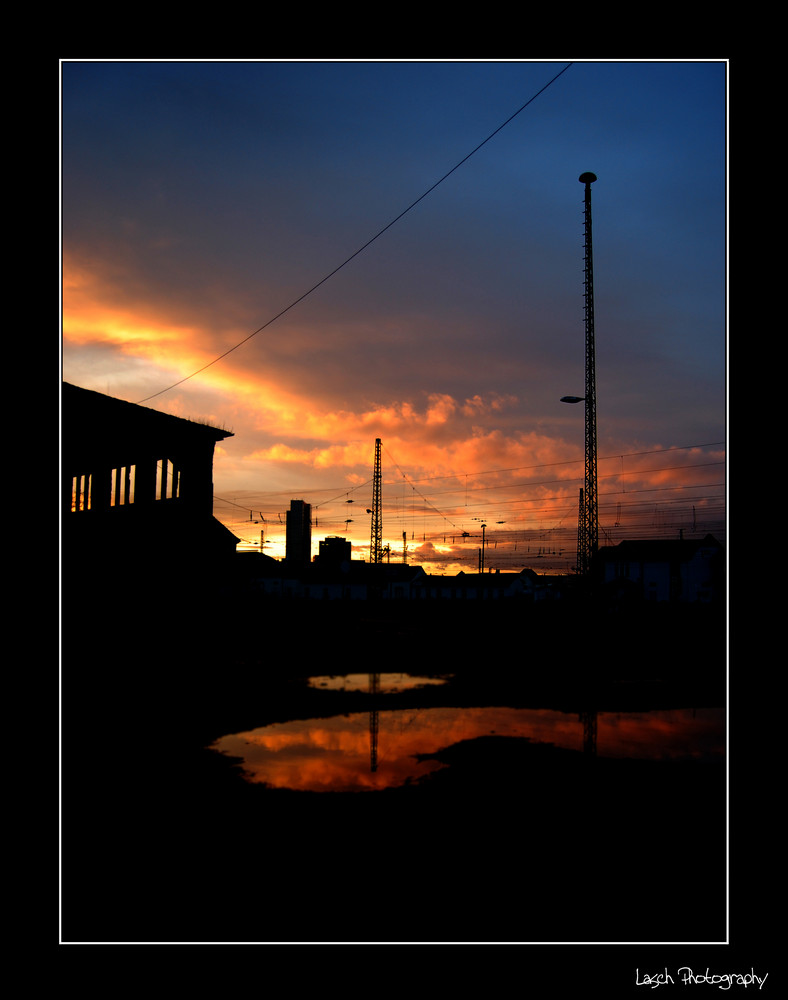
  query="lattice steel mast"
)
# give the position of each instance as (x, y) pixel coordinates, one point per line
(376, 542)
(588, 524)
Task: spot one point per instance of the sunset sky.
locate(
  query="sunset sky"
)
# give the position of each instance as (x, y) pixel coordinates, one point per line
(203, 202)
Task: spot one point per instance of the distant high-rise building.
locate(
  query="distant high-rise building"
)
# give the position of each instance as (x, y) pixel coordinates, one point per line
(298, 541)
(334, 550)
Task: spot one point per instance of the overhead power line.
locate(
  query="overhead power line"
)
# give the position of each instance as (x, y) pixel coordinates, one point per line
(255, 497)
(361, 249)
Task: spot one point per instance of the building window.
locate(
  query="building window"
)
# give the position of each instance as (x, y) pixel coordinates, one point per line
(122, 486)
(168, 480)
(80, 492)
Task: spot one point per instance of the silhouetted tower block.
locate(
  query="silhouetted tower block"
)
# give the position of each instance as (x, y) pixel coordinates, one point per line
(298, 539)
(334, 550)
(376, 541)
(588, 530)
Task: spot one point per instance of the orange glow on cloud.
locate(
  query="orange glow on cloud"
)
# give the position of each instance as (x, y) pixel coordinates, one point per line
(409, 436)
(94, 314)
(98, 324)
(442, 437)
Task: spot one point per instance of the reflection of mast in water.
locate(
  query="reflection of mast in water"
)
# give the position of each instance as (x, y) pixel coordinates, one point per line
(374, 688)
(589, 731)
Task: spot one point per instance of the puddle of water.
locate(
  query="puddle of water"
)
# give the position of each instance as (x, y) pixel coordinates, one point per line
(386, 683)
(375, 750)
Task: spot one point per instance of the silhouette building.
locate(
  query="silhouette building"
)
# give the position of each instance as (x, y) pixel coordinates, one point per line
(137, 495)
(665, 569)
(298, 539)
(334, 551)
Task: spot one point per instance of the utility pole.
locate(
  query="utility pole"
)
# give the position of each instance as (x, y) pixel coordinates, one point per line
(376, 542)
(588, 524)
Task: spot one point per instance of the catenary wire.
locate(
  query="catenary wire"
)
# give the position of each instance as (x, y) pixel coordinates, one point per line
(258, 497)
(361, 249)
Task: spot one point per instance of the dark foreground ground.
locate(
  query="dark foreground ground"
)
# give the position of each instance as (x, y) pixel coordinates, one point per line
(512, 842)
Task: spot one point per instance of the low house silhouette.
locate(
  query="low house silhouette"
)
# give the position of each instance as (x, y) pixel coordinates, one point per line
(675, 570)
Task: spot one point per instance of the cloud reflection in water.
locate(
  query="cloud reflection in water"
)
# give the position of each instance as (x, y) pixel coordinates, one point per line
(334, 754)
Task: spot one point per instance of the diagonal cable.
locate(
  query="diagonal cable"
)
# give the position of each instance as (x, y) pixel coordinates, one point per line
(360, 249)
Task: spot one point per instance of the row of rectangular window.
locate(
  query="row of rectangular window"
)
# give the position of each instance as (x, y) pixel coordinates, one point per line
(123, 483)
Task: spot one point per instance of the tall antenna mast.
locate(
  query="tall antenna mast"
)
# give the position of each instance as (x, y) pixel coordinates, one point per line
(376, 542)
(588, 525)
